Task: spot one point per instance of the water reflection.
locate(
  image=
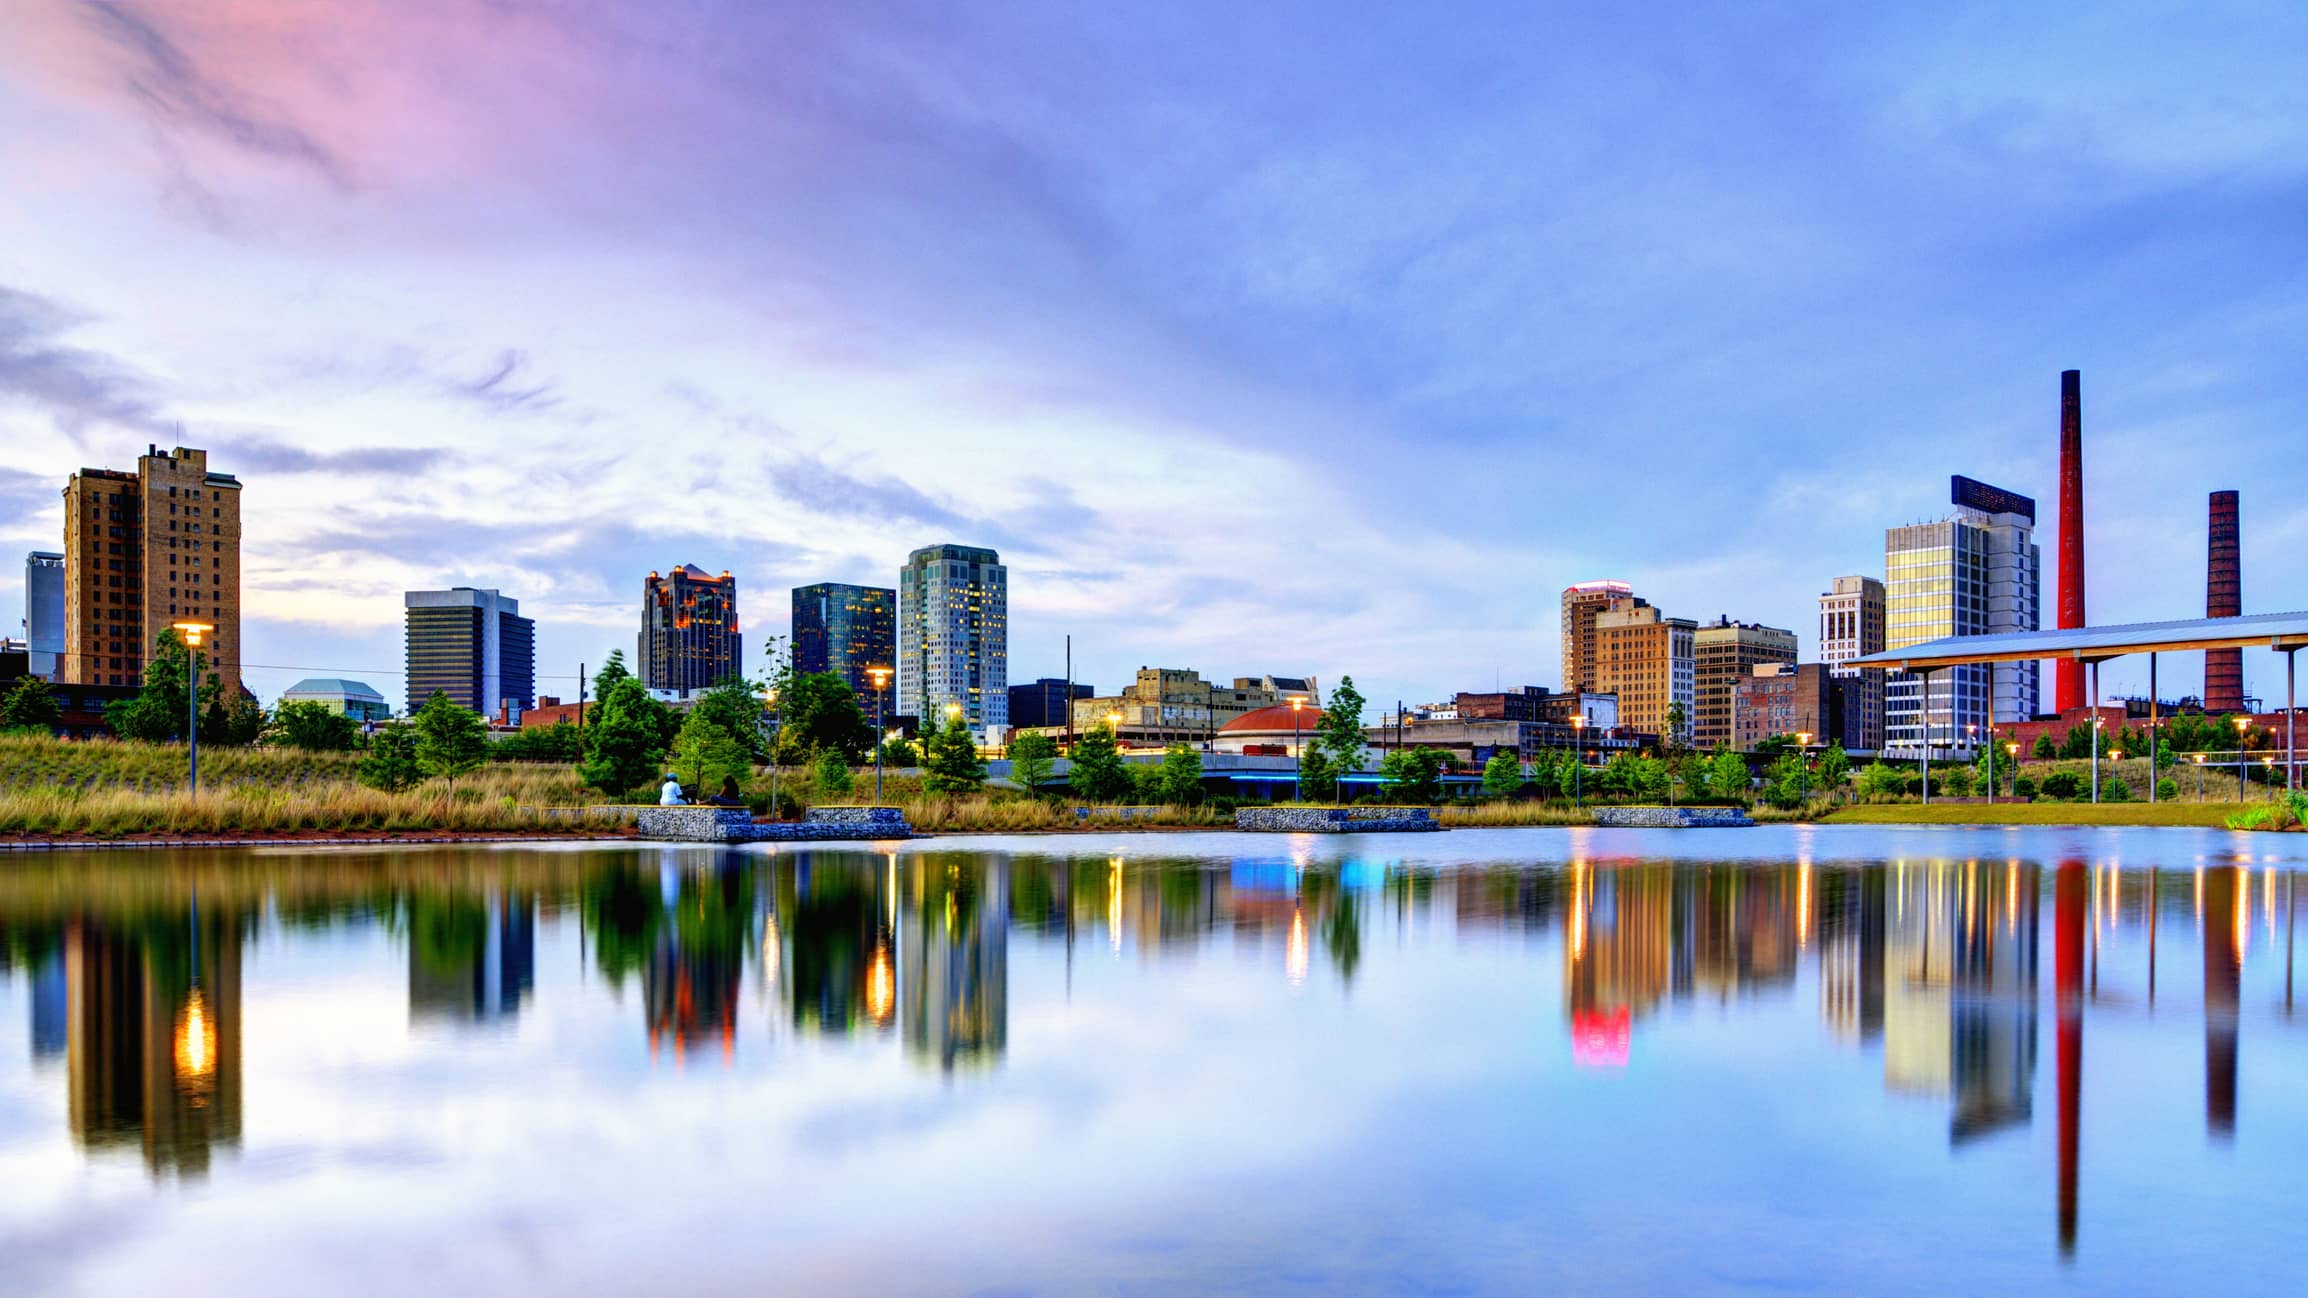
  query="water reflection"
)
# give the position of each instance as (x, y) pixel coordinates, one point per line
(1924, 975)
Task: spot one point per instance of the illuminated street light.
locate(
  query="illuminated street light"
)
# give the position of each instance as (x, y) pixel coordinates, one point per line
(192, 632)
(881, 680)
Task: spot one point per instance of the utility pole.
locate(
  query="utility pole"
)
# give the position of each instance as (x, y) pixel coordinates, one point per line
(581, 701)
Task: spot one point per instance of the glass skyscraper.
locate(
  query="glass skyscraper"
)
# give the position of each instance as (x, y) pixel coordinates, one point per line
(846, 630)
(472, 645)
(1975, 572)
(954, 636)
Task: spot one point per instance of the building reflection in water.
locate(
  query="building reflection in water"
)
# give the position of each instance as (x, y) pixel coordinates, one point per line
(2226, 924)
(838, 917)
(690, 977)
(152, 1030)
(954, 965)
(472, 956)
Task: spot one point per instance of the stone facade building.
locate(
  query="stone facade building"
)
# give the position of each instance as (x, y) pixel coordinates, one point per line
(146, 550)
(1724, 653)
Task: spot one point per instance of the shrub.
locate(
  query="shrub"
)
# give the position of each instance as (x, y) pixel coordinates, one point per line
(2023, 786)
(833, 774)
(2113, 789)
(2062, 784)
(2167, 789)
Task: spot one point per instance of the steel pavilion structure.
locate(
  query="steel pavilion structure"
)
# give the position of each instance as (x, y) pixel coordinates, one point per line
(2285, 633)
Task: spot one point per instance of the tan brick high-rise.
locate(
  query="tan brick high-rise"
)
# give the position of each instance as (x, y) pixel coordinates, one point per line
(143, 551)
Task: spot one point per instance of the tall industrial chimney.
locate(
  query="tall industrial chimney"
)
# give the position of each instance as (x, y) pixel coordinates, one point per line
(2068, 676)
(2224, 597)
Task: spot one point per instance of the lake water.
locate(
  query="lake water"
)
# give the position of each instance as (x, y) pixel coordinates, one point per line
(1834, 1060)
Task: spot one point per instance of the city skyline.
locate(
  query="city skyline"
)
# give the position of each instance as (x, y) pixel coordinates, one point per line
(1229, 355)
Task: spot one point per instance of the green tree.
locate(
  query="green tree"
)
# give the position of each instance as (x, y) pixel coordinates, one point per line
(1502, 775)
(303, 723)
(1317, 774)
(451, 738)
(391, 761)
(818, 711)
(704, 754)
(1785, 783)
(611, 672)
(1954, 781)
(157, 711)
(233, 720)
(559, 742)
(1178, 780)
(1098, 773)
(735, 709)
(30, 706)
(950, 762)
(1729, 778)
(1677, 721)
(1339, 733)
(1413, 774)
(833, 775)
(622, 744)
(1032, 758)
(2045, 750)
(1878, 780)
(1834, 766)
(896, 751)
(2078, 743)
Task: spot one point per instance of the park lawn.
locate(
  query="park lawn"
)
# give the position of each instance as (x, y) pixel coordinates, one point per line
(2213, 815)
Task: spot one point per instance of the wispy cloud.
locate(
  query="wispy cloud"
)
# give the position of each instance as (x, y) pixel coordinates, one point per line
(178, 92)
(269, 455)
(74, 385)
(505, 387)
(819, 487)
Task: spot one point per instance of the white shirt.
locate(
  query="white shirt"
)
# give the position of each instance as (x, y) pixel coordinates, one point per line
(670, 795)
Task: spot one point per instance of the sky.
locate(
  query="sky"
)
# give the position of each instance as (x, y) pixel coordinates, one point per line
(1291, 338)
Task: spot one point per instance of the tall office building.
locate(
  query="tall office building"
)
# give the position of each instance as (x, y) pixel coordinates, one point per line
(1723, 653)
(845, 630)
(689, 631)
(146, 550)
(472, 645)
(1045, 702)
(1645, 658)
(1975, 572)
(954, 636)
(1582, 602)
(1851, 626)
(44, 611)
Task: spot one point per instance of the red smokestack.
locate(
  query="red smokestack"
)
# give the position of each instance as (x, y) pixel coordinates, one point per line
(2068, 676)
(2224, 597)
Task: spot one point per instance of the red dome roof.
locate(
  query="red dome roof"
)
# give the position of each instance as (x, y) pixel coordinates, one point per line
(1273, 719)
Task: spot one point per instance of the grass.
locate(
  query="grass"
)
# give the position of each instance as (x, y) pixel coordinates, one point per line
(105, 788)
(2196, 814)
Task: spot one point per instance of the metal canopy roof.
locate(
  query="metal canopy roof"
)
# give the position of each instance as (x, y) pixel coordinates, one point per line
(2093, 643)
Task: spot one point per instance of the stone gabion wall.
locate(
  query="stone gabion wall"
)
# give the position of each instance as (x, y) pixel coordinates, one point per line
(1335, 820)
(1671, 817)
(857, 816)
(830, 831)
(695, 824)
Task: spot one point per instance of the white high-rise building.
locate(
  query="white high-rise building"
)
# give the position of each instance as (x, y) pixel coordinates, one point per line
(1851, 626)
(1975, 572)
(954, 637)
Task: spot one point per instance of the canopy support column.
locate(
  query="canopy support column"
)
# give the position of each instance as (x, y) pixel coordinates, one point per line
(2154, 714)
(2095, 666)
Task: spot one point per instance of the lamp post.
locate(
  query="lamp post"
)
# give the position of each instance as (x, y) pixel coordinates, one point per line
(2115, 763)
(1802, 767)
(192, 632)
(2243, 728)
(881, 680)
(2270, 778)
(769, 709)
(2012, 749)
(2199, 775)
(1579, 759)
(1297, 751)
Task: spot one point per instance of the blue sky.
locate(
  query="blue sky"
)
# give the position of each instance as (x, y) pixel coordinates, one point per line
(1279, 338)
